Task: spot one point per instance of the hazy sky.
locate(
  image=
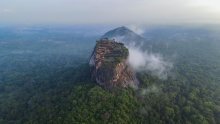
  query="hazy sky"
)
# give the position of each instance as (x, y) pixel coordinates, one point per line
(109, 11)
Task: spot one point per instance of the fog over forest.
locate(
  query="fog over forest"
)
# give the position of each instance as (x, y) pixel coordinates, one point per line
(158, 62)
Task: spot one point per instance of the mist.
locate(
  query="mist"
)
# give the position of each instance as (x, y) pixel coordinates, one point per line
(137, 29)
(144, 61)
(148, 90)
(141, 60)
(109, 11)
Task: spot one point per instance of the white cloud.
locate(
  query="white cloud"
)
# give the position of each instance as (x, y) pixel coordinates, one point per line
(207, 5)
(153, 63)
(136, 29)
(148, 90)
(144, 61)
(113, 11)
(6, 11)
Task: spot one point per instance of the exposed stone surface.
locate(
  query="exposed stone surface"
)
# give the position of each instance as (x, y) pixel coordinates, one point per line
(109, 65)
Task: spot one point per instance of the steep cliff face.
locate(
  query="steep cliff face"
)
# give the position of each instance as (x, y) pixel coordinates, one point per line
(109, 65)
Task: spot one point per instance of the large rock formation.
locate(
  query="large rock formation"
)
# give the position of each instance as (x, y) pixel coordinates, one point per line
(109, 65)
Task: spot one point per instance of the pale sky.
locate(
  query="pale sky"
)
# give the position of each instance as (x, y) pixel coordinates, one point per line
(109, 11)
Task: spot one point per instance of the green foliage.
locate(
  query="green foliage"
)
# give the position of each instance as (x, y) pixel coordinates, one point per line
(57, 89)
(96, 105)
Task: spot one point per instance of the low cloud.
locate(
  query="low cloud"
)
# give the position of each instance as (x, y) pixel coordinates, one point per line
(136, 29)
(150, 89)
(6, 11)
(146, 12)
(144, 61)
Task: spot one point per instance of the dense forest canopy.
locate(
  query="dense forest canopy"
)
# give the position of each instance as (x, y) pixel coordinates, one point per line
(45, 78)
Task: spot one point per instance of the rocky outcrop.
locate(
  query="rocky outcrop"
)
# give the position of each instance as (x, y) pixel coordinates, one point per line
(109, 65)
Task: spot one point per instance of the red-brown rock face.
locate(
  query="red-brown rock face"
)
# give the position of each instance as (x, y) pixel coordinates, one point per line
(109, 65)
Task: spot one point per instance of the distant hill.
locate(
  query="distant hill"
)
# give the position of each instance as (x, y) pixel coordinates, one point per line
(123, 34)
